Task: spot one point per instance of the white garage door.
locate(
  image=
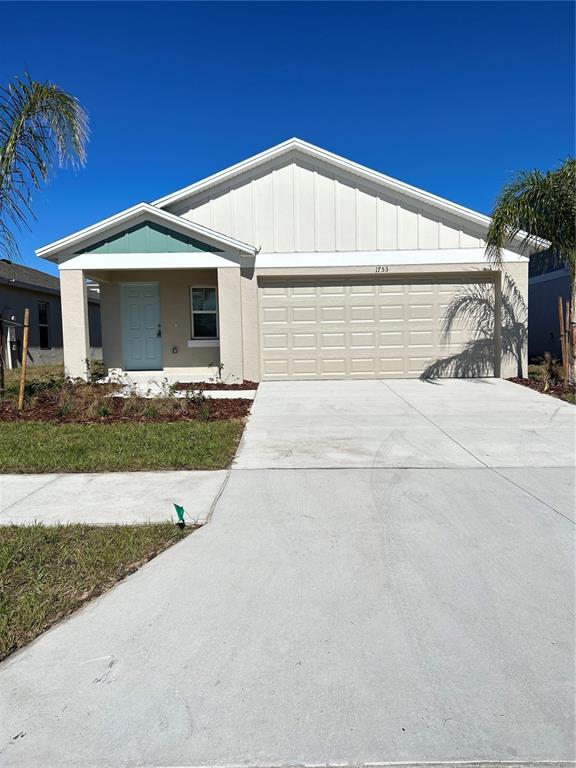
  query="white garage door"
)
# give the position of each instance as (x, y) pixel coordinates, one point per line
(363, 329)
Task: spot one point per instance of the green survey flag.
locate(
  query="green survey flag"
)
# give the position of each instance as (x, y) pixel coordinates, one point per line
(180, 512)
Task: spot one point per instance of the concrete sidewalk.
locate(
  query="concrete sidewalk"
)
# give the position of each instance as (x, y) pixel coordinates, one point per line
(108, 497)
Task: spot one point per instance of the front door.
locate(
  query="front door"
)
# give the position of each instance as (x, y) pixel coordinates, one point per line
(141, 329)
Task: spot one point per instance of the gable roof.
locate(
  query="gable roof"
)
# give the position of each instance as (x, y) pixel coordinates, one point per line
(292, 148)
(298, 147)
(141, 211)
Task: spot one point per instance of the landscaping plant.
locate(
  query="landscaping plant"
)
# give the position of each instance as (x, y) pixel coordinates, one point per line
(537, 205)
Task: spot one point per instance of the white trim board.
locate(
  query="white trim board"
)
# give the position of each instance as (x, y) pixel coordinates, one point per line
(199, 260)
(373, 258)
(145, 211)
(115, 261)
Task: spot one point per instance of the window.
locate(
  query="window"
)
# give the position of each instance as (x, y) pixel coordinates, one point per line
(44, 324)
(204, 313)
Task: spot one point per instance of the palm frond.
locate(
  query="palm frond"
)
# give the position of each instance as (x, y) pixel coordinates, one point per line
(539, 205)
(40, 126)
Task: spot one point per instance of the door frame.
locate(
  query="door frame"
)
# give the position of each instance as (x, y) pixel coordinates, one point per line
(123, 285)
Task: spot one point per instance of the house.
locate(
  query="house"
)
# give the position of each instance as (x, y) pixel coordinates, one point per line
(548, 282)
(25, 288)
(293, 264)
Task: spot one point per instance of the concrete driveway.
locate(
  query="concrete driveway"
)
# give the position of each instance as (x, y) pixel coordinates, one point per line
(387, 577)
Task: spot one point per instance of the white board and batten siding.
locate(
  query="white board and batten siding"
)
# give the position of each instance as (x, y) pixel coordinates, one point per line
(301, 208)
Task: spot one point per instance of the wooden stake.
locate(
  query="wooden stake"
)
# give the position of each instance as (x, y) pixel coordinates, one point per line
(562, 334)
(24, 359)
(1, 355)
(568, 341)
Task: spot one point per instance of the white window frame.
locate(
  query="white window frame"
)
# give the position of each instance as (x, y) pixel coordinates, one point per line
(204, 339)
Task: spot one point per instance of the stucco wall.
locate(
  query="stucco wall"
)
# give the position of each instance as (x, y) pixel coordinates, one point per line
(175, 312)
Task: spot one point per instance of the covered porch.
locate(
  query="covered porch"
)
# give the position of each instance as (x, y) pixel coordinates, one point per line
(170, 292)
(181, 324)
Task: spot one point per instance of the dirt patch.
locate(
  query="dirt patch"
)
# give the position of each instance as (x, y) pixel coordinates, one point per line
(561, 391)
(214, 385)
(112, 410)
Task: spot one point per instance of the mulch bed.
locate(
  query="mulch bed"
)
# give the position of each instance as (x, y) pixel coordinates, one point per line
(44, 409)
(215, 385)
(555, 390)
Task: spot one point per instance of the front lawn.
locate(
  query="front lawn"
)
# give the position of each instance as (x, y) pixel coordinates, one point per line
(39, 446)
(47, 572)
(75, 426)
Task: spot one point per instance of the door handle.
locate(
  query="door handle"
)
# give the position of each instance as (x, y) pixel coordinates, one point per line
(159, 331)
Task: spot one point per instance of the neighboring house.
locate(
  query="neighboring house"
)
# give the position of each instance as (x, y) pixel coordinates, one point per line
(25, 288)
(548, 281)
(295, 263)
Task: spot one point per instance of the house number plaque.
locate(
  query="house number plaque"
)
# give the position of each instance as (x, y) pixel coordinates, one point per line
(382, 268)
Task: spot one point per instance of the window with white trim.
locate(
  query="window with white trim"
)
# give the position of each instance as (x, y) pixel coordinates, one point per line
(44, 324)
(204, 301)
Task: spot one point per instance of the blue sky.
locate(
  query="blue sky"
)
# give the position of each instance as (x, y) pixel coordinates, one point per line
(451, 97)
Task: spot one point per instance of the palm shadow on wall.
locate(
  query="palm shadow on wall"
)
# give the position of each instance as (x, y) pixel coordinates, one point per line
(476, 307)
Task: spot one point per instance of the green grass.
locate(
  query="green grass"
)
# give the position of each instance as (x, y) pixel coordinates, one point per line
(47, 572)
(38, 446)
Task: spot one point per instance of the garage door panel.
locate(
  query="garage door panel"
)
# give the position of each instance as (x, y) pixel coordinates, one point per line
(275, 315)
(333, 314)
(276, 341)
(323, 328)
(335, 365)
(303, 367)
(304, 341)
(363, 314)
(391, 313)
(333, 340)
(304, 314)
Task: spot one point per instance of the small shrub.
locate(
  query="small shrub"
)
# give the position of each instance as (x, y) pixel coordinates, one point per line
(204, 412)
(96, 370)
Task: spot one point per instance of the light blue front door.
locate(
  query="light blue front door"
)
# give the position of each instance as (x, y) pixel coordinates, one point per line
(141, 329)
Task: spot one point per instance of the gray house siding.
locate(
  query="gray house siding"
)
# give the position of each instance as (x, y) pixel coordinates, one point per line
(44, 346)
(543, 319)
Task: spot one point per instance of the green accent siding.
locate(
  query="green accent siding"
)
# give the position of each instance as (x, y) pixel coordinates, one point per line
(149, 238)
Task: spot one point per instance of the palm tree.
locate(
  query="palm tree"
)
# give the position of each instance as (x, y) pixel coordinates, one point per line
(540, 206)
(40, 126)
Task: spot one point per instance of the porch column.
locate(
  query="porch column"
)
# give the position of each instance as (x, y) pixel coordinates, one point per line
(75, 332)
(230, 319)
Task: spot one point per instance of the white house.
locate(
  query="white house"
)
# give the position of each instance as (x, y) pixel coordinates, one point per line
(295, 263)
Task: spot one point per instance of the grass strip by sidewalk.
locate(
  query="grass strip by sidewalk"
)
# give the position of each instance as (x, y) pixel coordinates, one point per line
(39, 446)
(47, 572)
